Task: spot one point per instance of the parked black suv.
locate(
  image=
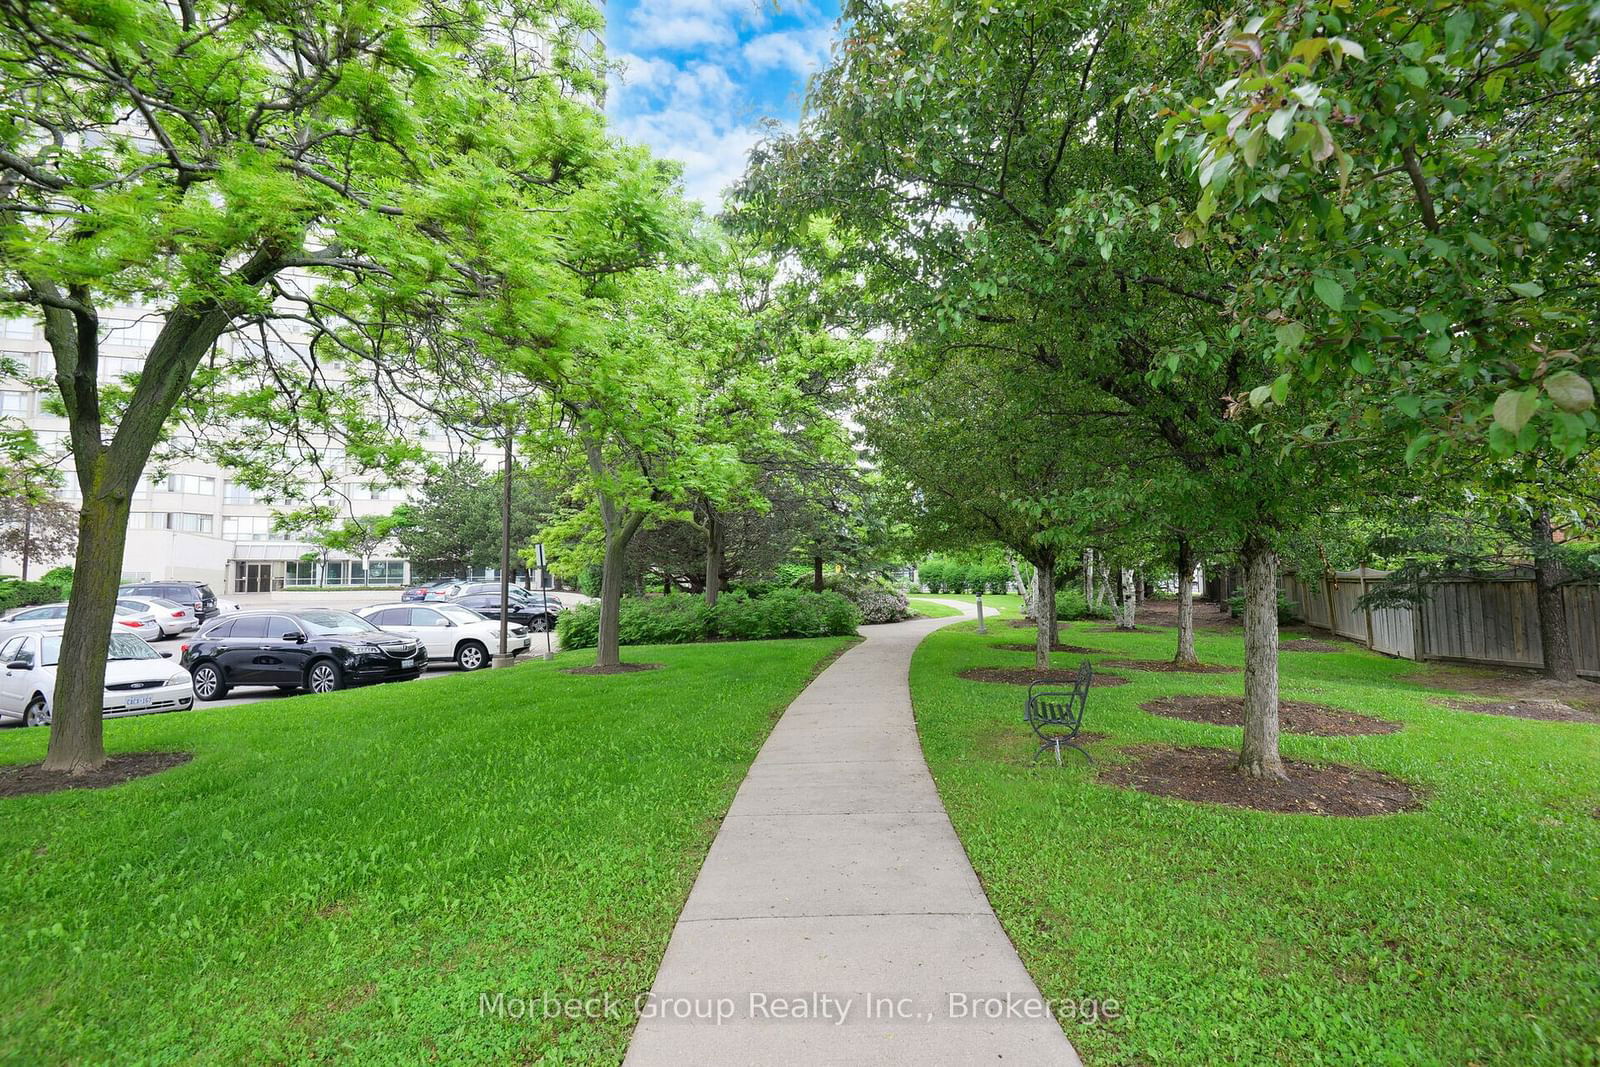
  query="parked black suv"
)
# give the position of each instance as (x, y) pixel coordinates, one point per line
(310, 649)
(190, 594)
(534, 610)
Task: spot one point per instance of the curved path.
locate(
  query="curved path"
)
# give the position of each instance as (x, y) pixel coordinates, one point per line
(836, 919)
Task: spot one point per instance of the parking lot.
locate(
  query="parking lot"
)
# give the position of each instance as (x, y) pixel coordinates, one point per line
(247, 694)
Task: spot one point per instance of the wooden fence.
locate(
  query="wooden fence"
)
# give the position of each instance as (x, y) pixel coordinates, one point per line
(1474, 620)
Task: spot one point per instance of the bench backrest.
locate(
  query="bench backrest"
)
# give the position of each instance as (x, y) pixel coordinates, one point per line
(1061, 707)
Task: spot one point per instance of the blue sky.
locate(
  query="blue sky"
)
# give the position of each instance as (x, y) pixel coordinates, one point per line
(701, 74)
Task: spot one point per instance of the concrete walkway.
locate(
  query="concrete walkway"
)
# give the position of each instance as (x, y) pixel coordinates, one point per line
(836, 919)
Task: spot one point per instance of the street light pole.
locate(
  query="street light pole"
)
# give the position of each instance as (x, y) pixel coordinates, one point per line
(504, 658)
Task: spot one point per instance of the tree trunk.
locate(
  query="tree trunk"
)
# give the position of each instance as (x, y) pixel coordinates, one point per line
(1044, 611)
(612, 577)
(816, 574)
(1258, 756)
(1129, 606)
(1088, 577)
(1105, 586)
(1023, 588)
(27, 538)
(76, 730)
(1186, 655)
(716, 557)
(1555, 640)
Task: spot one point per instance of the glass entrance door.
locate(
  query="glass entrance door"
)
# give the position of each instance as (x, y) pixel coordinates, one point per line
(253, 578)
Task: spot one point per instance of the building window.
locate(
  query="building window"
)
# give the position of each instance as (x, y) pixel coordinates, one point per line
(188, 521)
(250, 528)
(52, 442)
(234, 493)
(113, 368)
(300, 572)
(191, 483)
(13, 402)
(364, 491)
(386, 571)
(21, 329)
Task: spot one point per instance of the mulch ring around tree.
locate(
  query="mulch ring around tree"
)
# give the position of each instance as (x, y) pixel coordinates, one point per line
(1168, 665)
(620, 668)
(1208, 775)
(1029, 675)
(1079, 649)
(31, 779)
(1294, 716)
(1308, 644)
(1545, 710)
(1120, 630)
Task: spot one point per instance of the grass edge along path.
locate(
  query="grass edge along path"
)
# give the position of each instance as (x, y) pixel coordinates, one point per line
(349, 875)
(1461, 933)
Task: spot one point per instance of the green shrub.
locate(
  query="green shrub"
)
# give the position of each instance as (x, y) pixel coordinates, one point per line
(738, 616)
(1288, 610)
(56, 585)
(1071, 604)
(792, 576)
(589, 580)
(877, 600)
(784, 613)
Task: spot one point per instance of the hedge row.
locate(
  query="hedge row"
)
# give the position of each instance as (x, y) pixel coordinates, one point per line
(55, 586)
(676, 620)
(939, 574)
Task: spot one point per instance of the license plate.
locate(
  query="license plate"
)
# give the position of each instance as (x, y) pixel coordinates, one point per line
(142, 701)
(408, 663)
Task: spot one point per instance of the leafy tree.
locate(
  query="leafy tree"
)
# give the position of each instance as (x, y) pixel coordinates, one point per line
(989, 175)
(455, 525)
(32, 522)
(215, 161)
(31, 530)
(1404, 197)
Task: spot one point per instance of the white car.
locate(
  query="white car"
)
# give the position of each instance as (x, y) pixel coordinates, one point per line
(138, 678)
(140, 624)
(448, 631)
(171, 617)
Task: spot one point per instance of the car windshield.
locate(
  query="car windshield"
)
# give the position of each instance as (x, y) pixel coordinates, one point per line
(122, 646)
(335, 622)
(457, 613)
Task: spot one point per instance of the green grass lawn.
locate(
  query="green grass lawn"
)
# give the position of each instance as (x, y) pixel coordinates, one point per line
(343, 876)
(1467, 932)
(932, 609)
(1008, 604)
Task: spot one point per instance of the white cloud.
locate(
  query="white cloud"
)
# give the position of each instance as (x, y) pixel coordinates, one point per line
(801, 51)
(699, 74)
(684, 24)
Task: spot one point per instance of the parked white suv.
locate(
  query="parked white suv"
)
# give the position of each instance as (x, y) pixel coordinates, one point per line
(449, 631)
(138, 678)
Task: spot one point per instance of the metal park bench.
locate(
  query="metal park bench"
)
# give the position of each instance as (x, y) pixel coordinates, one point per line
(1057, 715)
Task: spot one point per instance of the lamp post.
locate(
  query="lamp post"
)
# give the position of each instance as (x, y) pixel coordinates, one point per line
(981, 628)
(504, 658)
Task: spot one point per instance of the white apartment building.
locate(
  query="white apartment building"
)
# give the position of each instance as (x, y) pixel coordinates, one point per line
(196, 522)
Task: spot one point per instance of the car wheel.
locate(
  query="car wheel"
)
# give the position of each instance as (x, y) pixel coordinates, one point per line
(539, 624)
(37, 713)
(471, 656)
(323, 677)
(208, 682)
